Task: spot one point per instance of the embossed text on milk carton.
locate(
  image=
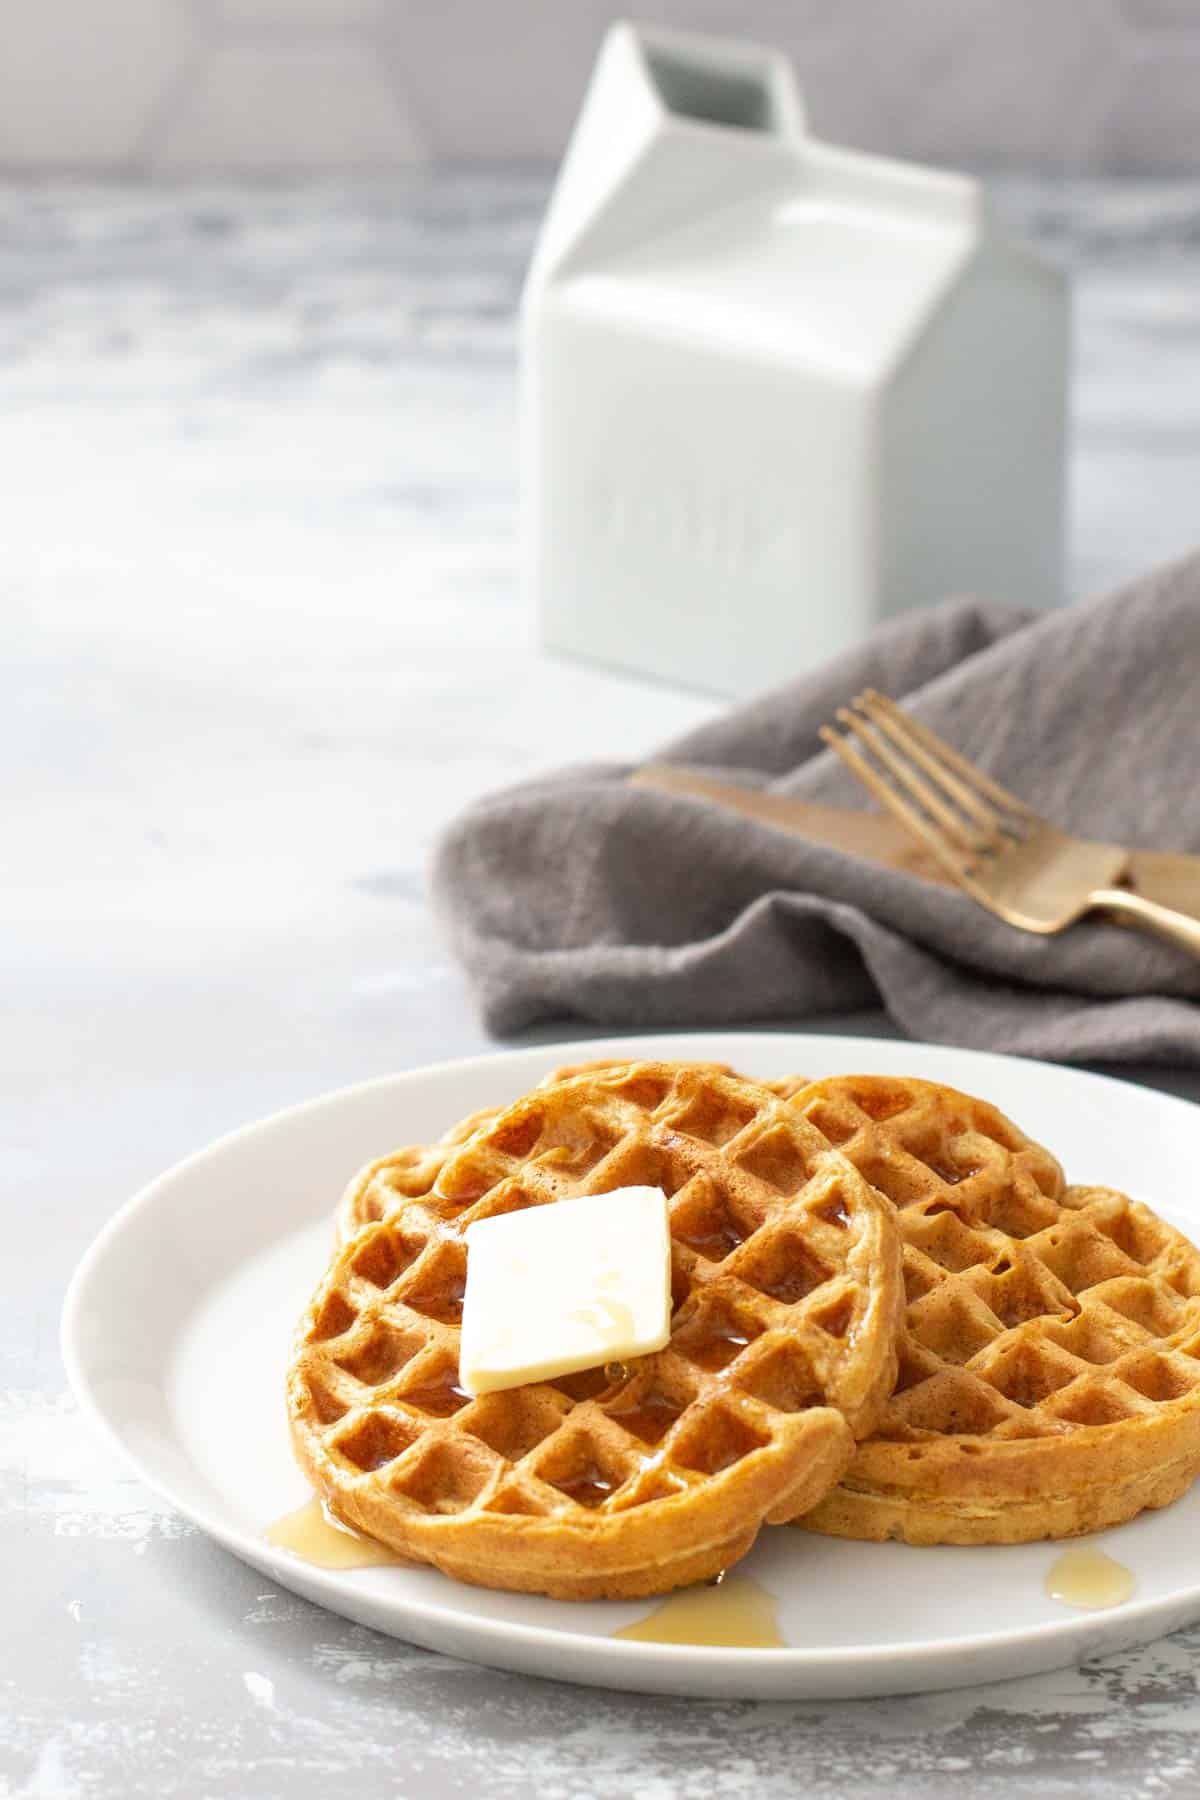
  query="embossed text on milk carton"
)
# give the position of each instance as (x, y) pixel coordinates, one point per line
(710, 524)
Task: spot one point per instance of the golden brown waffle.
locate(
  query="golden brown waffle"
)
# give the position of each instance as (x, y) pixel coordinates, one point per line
(1049, 1379)
(405, 1174)
(623, 1481)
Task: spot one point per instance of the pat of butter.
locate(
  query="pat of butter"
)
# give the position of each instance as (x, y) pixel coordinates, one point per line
(566, 1286)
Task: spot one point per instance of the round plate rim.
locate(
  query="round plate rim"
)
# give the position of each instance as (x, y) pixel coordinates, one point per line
(632, 1662)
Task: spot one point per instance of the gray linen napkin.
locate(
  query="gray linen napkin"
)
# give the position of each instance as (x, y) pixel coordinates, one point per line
(579, 896)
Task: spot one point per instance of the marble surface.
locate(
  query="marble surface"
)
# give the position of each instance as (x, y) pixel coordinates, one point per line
(261, 636)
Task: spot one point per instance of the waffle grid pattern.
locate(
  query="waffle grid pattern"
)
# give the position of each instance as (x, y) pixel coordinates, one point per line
(786, 1282)
(1034, 1312)
(406, 1174)
(402, 1175)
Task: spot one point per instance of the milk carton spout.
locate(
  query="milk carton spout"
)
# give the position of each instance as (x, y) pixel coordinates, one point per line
(715, 81)
(673, 123)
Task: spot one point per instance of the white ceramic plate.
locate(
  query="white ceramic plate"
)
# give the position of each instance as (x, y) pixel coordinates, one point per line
(187, 1375)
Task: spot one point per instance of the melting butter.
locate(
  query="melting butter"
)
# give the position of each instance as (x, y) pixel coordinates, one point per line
(1087, 1578)
(612, 1321)
(552, 1290)
(736, 1614)
(312, 1533)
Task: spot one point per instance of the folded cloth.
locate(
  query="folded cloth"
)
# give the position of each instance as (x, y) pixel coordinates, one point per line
(581, 896)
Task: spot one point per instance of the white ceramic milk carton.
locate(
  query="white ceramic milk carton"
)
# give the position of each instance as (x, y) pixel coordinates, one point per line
(773, 392)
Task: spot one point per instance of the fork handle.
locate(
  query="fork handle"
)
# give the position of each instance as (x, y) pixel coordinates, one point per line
(1149, 915)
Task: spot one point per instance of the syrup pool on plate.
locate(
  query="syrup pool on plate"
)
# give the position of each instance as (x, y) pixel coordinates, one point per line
(1087, 1578)
(312, 1533)
(735, 1613)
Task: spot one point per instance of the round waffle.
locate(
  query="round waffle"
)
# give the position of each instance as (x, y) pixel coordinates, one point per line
(623, 1481)
(1049, 1379)
(408, 1173)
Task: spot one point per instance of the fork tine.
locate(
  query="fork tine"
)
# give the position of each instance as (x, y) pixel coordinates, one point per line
(954, 863)
(954, 759)
(950, 821)
(896, 724)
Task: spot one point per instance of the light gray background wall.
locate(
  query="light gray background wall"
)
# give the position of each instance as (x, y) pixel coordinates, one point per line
(180, 88)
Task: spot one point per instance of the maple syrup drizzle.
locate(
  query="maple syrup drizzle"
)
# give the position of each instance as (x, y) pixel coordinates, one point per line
(717, 1244)
(1087, 1578)
(649, 1418)
(588, 1486)
(734, 1613)
(440, 1397)
(719, 1348)
(584, 1384)
(796, 1283)
(313, 1534)
(949, 1173)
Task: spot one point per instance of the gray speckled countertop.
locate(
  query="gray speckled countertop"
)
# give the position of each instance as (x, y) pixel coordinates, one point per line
(261, 635)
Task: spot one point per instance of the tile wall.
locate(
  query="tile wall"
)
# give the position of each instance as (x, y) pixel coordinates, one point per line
(170, 89)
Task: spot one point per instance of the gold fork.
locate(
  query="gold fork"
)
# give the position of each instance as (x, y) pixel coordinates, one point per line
(994, 846)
